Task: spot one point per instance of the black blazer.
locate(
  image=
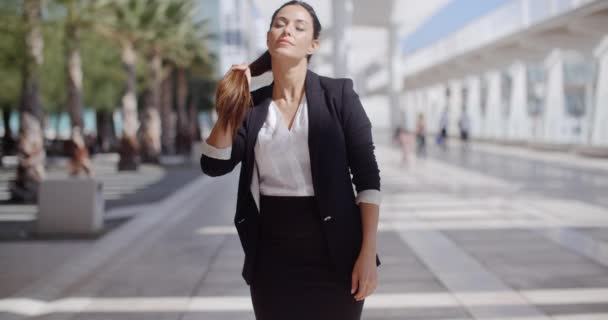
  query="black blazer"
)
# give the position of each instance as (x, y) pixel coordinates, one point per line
(339, 140)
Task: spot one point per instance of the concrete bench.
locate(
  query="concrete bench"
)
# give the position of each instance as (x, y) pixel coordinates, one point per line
(70, 207)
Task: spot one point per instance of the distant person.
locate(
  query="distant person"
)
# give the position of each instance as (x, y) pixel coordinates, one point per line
(309, 239)
(443, 129)
(420, 136)
(396, 133)
(404, 139)
(464, 125)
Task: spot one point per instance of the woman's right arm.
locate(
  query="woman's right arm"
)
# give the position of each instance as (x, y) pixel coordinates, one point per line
(224, 148)
(221, 153)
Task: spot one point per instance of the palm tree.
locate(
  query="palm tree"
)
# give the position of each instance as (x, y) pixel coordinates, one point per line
(80, 16)
(104, 75)
(128, 26)
(74, 23)
(156, 45)
(30, 169)
(177, 40)
(189, 51)
(11, 61)
(166, 110)
(202, 90)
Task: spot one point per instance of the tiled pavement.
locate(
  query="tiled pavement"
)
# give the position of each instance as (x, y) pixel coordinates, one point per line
(26, 257)
(455, 244)
(119, 190)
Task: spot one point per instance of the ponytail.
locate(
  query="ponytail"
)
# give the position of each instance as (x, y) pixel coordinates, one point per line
(232, 97)
(261, 65)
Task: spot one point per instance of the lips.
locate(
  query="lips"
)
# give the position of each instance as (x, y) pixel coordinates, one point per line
(286, 42)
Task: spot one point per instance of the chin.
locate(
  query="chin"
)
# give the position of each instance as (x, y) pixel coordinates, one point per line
(282, 54)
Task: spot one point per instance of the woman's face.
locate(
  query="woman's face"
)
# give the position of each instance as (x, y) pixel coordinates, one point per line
(291, 34)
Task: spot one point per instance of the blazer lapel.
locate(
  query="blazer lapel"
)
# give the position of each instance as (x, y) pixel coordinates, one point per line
(258, 116)
(316, 105)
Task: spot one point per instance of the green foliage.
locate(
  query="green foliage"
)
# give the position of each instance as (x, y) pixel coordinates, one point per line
(12, 58)
(53, 89)
(185, 38)
(104, 77)
(11, 53)
(201, 92)
(202, 82)
(183, 42)
(169, 27)
(127, 20)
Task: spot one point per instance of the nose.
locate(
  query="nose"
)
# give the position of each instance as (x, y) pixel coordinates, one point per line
(287, 30)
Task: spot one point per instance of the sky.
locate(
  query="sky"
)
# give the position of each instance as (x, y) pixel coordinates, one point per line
(455, 15)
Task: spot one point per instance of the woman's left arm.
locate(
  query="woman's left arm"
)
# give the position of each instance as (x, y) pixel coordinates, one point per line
(365, 276)
(366, 177)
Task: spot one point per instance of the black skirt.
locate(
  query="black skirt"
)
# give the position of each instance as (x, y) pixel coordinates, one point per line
(294, 277)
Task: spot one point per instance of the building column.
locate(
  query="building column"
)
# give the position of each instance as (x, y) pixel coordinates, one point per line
(455, 106)
(555, 104)
(484, 132)
(599, 131)
(342, 13)
(410, 109)
(394, 74)
(494, 119)
(519, 125)
(442, 103)
(473, 103)
(418, 101)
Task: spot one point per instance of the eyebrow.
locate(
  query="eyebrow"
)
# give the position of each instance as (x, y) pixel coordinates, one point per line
(297, 20)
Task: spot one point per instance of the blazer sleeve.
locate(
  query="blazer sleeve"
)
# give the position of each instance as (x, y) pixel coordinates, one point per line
(359, 145)
(215, 164)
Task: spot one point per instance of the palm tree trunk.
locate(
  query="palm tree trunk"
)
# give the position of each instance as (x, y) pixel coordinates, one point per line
(106, 136)
(151, 127)
(7, 135)
(183, 137)
(30, 169)
(74, 75)
(8, 141)
(129, 147)
(194, 124)
(167, 117)
(80, 156)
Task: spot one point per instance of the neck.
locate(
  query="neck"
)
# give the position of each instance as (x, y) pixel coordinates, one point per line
(288, 79)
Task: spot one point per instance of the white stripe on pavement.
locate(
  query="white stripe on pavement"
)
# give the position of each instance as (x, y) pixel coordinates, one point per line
(562, 297)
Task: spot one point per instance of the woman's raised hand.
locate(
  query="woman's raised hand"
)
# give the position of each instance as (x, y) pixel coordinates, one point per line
(242, 67)
(233, 97)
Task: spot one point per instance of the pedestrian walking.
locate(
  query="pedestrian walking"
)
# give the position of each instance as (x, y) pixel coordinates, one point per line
(464, 125)
(309, 240)
(420, 136)
(403, 137)
(443, 130)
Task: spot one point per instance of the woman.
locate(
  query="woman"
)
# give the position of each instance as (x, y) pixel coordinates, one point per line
(421, 135)
(309, 243)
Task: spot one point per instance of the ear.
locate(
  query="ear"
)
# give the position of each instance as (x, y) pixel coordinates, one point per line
(314, 46)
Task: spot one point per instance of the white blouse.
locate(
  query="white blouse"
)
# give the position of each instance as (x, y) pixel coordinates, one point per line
(281, 154)
(282, 161)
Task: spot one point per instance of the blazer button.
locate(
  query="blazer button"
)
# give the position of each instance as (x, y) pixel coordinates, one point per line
(327, 218)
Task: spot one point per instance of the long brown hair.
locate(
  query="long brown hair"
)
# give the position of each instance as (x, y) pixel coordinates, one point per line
(232, 96)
